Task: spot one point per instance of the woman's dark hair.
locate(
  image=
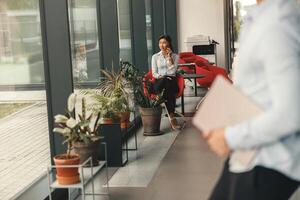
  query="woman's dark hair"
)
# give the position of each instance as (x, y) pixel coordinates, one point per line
(168, 39)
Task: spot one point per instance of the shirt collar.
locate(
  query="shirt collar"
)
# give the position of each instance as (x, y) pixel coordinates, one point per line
(161, 54)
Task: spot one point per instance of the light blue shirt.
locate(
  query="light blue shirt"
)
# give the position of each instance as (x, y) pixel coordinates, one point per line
(161, 66)
(268, 71)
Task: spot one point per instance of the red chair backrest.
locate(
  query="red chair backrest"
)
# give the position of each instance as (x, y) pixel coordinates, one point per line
(186, 54)
(200, 61)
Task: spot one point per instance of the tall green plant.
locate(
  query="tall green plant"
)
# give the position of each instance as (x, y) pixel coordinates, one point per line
(131, 74)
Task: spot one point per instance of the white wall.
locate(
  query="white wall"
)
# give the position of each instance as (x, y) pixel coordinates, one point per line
(205, 17)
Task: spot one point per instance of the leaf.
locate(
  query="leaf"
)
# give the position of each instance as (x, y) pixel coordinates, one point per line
(63, 131)
(89, 117)
(71, 123)
(96, 121)
(96, 138)
(84, 123)
(83, 110)
(71, 102)
(58, 130)
(60, 119)
(80, 117)
(107, 74)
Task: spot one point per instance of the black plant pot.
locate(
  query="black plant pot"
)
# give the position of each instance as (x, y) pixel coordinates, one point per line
(151, 119)
(87, 150)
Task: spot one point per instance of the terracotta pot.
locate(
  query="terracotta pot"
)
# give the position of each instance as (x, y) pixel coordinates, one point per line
(87, 150)
(67, 176)
(124, 119)
(108, 121)
(151, 118)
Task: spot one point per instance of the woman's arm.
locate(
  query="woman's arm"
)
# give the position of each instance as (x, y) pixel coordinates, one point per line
(172, 66)
(154, 67)
(281, 64)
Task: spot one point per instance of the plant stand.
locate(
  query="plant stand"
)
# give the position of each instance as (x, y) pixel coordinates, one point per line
(87, 175)
(117, 157)
(135, 123)
(117, 141)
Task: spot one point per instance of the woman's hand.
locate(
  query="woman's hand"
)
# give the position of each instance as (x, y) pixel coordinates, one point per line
(169, 52)
(169, 56)
(217, 142)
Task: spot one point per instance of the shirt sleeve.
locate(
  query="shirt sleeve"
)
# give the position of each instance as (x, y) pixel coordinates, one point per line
(154, 67)
(173, 68)
(279, 57)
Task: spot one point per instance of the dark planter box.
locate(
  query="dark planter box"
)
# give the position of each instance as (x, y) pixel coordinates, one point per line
(113, 137)
(116, 140)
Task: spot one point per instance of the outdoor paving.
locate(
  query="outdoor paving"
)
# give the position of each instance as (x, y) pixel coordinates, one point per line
(24, 149)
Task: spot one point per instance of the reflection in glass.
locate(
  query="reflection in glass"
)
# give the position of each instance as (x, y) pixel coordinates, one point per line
(240, 10)
(24, 144)
(124, 30)
(148, 8)
(84, 41)
(21, 61)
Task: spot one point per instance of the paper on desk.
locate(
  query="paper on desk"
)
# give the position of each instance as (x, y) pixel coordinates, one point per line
(225, 105)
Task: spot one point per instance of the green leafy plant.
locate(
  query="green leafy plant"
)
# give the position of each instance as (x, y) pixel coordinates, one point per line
(131, 74)
(102, 104)
(81, 130)
(113, 85)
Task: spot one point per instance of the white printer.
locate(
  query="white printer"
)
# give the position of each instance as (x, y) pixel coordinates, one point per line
(203, 46)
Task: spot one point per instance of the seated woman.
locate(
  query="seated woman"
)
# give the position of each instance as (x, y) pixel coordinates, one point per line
(164, 67)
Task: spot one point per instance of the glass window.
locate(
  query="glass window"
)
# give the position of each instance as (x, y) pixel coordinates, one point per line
(24, 143)
(148, 8)
(124, 19)
(20, 43)
(84, 41)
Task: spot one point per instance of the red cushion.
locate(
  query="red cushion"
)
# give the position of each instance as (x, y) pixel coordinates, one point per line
(190, 59)
(181, 61)
(208, 77)
(202, 58)
(187, 69)
(200, 61)
(219, 71)
(186, 54)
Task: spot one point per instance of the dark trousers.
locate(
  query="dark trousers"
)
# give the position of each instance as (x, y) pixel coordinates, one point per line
(170, 88)
(258, 184)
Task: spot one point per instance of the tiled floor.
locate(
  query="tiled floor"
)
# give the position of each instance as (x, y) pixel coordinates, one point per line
(187, 172)
(143, 163)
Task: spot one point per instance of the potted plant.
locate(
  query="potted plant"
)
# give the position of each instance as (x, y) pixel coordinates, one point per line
(150, 109)
(103, 105)
(78, 135)
(121, 107)
(111, 98)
